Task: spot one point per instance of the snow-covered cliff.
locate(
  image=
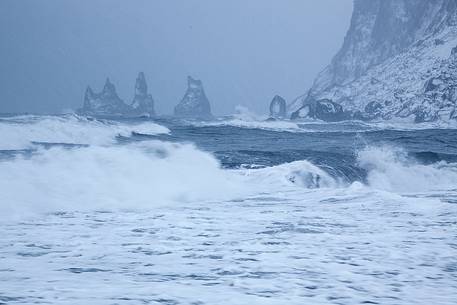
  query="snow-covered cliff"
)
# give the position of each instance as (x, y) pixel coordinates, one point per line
(398, 60)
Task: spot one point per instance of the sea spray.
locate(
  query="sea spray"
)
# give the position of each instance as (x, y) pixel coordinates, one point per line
(392, 169)
(21, 132)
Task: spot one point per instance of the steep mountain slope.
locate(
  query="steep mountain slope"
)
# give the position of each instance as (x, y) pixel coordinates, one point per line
(398, 60)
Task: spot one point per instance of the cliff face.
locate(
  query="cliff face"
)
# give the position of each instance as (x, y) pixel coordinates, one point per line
(391, 50)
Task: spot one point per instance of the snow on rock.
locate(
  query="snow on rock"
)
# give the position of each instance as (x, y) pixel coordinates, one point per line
(142, 104)
(398, 60)
(108, 103)
(324, 109)
(194, 104)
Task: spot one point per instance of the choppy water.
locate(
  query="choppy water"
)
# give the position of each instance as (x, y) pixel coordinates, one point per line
(226, 212)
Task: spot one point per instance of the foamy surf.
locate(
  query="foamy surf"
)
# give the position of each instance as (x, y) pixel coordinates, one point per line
(21, 132)
(123, 177)
(156, 173)
(247, 218)
(391, 169)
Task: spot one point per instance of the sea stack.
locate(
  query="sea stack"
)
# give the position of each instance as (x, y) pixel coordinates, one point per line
(194, 104)
(106, 102)
(278, 108)
(142, 103)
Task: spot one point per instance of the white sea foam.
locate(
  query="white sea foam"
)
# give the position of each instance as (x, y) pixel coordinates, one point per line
(18, 132)
(311, 126)
(407, 124)
(145, 175)
(277, 125)
(392, 170)
(301, 174)
(133, 176)
(243, 118)
(247, 235)
(157, 173)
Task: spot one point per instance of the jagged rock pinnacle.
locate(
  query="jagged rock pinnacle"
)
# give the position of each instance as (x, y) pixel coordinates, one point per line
(142, 103)
(194, 104)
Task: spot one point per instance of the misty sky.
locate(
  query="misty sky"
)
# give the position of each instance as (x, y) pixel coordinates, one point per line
(245, 51)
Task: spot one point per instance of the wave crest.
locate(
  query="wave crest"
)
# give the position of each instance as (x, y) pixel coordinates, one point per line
(392, 169)
(131, 176)
(19, 132)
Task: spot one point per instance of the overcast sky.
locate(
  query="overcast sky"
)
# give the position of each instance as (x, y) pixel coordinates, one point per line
(244, 51)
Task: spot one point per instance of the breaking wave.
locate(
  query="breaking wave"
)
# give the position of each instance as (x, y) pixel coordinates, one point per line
(280, 126)
(140, 176)
(243, 118)
(21, 132)
(158, 173)
(108, 175)
(98, 177)
(394, 170)
(302, 174)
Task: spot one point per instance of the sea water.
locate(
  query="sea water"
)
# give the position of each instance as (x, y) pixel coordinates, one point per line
(232, 211)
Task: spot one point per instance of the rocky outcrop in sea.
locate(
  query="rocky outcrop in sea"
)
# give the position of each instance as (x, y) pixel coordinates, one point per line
(142, 104)
(194, 104)
(278, 108)
(108, 103)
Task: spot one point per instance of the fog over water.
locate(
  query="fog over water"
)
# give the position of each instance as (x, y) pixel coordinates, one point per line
(244, 51)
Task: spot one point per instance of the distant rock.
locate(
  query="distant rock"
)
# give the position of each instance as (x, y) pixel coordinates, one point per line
(142, 104)
(106, 102)
(303, 112)
(278, 108)
(194, 104)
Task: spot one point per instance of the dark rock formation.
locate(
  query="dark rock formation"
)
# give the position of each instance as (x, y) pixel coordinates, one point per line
(194, 104)
(325, 110)
(142, 104)
(106, 102)
(278, 108)
(372, 111)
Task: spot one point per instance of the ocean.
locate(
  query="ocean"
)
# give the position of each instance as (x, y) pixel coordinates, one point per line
(232, 211)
